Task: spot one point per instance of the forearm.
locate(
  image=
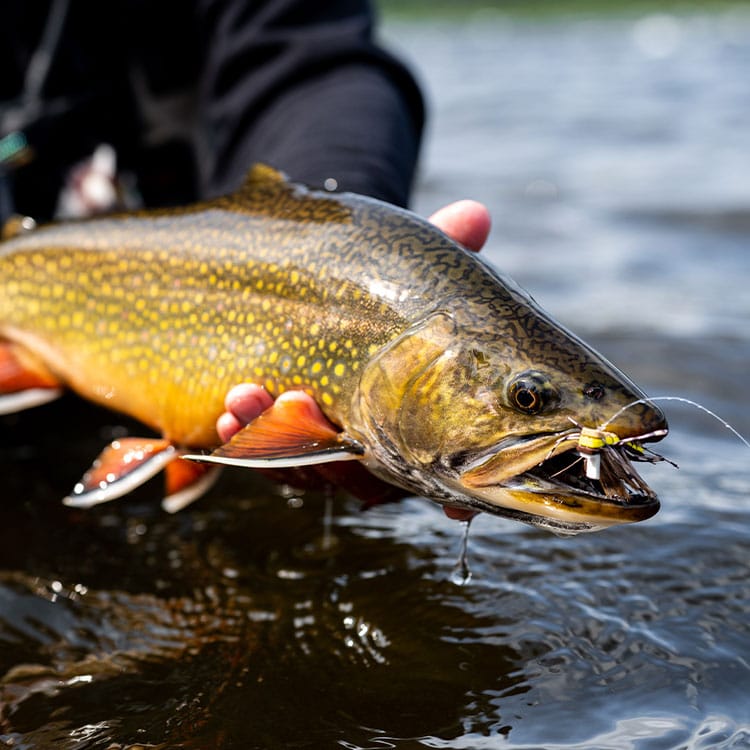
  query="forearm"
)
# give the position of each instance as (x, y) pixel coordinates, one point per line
(325, 104)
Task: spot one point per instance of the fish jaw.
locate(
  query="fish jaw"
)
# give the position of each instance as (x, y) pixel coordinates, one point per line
(564, 512)
(546, 481)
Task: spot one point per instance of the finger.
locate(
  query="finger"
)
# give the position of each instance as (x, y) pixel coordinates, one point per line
(243, 404)
(227, 425)
(467, 222)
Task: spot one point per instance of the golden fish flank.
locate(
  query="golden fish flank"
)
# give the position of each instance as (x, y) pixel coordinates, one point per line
(441, 376)
(174, 319)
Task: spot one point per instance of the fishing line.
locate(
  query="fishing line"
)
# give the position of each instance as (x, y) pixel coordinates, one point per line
(684, 401)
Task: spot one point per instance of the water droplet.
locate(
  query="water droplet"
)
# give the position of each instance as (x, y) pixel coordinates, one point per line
(461, 573)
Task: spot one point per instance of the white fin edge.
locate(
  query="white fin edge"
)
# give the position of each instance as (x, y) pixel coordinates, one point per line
(179, 500)
(11, 403)
(275, 463)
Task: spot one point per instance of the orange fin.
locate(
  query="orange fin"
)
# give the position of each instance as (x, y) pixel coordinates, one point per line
(292, 432)
(121, 467)
(186, 481)
(24, 380)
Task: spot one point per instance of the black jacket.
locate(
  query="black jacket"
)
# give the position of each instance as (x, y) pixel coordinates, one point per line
(192, 93)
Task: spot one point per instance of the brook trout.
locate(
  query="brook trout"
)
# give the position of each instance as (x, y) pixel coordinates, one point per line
(437, 374)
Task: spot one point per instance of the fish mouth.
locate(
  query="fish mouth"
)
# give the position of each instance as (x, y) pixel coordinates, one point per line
(550, 481)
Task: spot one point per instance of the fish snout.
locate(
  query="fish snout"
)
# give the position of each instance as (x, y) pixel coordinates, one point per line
(641, 420)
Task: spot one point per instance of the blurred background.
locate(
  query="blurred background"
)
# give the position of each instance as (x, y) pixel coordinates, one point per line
(611, 144)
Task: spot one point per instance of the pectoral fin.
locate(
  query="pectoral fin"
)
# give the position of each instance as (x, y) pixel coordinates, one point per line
(292, 432)
(24, 380)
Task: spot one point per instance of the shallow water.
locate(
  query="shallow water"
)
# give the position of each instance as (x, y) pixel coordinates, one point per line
(616, 167)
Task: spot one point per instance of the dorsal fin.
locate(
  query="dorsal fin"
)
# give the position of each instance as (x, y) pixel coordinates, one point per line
(268, 192)
(264, 191)
(263, 176)
(263, 181)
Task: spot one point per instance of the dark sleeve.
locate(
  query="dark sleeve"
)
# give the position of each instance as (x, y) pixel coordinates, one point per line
(301, 85)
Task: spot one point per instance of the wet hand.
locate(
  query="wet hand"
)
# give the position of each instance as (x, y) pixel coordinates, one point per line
(466, 221)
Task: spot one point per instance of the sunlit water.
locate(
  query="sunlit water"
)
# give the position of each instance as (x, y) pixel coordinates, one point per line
(615, 158)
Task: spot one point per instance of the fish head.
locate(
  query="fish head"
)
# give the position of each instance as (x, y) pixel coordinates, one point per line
(494, 407)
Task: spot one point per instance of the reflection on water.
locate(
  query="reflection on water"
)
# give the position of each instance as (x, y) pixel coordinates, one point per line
(617, 174)
(233, 626)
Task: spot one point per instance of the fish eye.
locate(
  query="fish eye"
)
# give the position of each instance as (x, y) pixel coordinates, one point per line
(530, 392)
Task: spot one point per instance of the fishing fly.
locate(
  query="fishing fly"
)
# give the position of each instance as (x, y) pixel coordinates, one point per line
(594, 442)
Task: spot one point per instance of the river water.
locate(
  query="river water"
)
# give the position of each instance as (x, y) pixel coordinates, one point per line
(615, 157)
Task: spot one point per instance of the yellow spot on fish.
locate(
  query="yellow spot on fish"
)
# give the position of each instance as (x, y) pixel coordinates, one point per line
(339, 369)
(327, 399)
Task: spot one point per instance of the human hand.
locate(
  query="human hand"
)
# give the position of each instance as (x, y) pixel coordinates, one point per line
(466, 221)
